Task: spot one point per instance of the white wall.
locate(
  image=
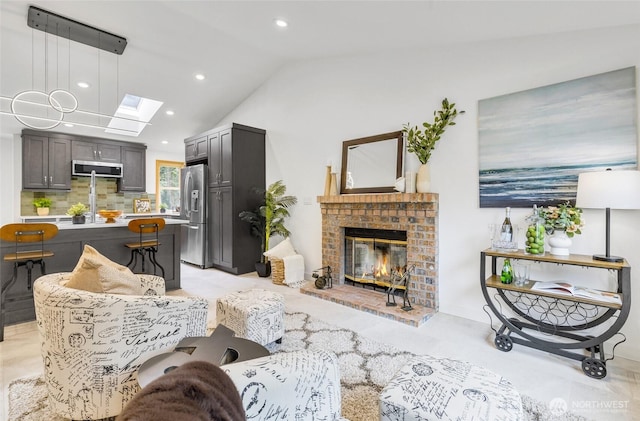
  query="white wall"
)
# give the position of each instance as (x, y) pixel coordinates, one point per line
(310, 108)
(11, 177)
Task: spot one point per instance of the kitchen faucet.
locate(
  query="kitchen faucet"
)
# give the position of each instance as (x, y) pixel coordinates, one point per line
(92, 198)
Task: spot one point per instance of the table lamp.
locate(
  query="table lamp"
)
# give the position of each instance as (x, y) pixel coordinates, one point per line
(609, 190)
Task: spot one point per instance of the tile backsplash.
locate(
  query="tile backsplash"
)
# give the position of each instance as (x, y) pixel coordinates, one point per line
(107, 197)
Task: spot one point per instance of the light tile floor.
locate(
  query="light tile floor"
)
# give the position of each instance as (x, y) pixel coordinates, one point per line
(535, 373)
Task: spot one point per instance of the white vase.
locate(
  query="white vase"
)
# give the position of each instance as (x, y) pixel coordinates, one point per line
(410, 182)
(559, 243)
(423, 179)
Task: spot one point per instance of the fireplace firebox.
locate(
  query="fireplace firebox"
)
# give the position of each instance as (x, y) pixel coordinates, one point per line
(373, 257)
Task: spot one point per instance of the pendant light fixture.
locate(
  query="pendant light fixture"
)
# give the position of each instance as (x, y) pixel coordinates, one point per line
(44, 110)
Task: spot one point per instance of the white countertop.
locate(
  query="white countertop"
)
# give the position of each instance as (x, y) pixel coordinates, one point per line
(64, 221)
(124, 215)
(68, 225)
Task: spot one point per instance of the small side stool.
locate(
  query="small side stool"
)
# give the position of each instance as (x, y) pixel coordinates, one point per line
(257, 315)
(144, 246)
(430, 389)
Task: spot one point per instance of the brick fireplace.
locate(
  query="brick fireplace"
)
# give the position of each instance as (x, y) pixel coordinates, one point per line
(415, 213)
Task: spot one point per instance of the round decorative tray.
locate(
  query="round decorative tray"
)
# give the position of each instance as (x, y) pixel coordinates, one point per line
(109, 215)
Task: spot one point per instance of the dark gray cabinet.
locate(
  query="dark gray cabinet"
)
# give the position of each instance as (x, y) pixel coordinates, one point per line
(67, 247)
(46, 162)
(221, 205)
(236, 169)
(47, 157)
(95, 151)
(133, 169)
(221, 162)
(196, 149)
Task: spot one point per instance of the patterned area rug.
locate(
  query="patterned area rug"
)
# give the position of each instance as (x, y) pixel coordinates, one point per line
(365, 365)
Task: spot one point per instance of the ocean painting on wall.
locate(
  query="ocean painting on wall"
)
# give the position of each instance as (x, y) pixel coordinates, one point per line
(534, 143)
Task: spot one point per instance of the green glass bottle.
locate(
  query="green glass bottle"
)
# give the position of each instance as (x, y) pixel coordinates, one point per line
(506, 277)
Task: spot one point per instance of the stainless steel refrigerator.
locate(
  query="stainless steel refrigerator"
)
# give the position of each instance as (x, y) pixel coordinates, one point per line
(193, 207)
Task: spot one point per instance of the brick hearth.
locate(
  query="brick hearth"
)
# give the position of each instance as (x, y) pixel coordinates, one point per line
(417, 213)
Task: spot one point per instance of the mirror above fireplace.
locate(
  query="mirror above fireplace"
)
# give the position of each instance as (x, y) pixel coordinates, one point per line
(371, 164)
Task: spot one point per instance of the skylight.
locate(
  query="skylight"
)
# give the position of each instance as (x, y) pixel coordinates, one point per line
(131, 101)
(133, 115)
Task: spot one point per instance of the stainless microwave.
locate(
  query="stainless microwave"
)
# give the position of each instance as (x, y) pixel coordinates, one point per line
(102, 169)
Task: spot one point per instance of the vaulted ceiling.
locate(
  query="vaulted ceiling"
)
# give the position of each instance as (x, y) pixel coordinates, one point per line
(236, 45)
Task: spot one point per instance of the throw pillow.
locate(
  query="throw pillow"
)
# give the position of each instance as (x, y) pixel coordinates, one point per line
(96, 273)
(281, 250)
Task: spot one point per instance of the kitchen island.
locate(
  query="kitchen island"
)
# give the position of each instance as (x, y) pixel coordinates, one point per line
(108, 239)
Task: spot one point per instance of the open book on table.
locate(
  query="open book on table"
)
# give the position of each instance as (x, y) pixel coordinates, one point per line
(575, 291)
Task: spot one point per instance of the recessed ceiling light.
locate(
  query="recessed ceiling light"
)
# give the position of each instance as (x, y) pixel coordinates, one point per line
(68, 125)
(165, 142)
(281, 23)
(169, 112)
(83, 84)
(200, 76)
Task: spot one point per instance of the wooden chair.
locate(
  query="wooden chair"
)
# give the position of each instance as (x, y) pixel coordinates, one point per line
(28, 239)
(143, 246)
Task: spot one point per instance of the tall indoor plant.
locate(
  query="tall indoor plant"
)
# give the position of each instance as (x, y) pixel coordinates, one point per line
(268, 220)
(422, 142)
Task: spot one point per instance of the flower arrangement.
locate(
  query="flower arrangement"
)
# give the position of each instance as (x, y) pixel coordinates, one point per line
(78, 209)
(563, 217)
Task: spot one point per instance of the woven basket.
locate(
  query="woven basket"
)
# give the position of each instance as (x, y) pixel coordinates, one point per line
(277, 270)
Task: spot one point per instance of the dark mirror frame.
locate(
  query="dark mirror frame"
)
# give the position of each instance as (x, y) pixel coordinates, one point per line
(364, 140)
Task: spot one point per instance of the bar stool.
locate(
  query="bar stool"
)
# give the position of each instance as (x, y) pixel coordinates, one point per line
(25, 237)
(149, 246)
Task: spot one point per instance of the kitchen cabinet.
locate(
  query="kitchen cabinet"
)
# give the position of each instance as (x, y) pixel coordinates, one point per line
(95, 151)
(133, 169)
(196, 150)
(46, 162)
(221, 205)
(236, 169)
(47, 158)
(221, 158)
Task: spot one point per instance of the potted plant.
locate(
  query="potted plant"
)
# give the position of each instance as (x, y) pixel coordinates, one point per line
(562, 222)
(268, 220)
(163, 207)
(42, 205)
(77, 213)
(422, 142)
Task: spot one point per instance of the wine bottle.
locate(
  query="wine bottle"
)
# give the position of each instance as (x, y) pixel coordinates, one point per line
(506, 277)
(506, 231)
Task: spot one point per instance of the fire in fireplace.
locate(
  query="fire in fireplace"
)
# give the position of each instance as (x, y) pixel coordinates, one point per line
(373, 257)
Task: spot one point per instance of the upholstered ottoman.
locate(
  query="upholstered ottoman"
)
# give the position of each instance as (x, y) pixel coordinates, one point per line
(429, 388)
(298, 385)
(257, 315)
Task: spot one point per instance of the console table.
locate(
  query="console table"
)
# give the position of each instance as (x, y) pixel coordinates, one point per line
(551, 321)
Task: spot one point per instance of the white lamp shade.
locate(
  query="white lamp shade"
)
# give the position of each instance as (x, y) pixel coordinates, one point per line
(609, 189)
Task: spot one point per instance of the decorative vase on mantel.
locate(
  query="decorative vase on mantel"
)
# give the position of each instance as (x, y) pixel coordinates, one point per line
(559, 243)
(423, 179)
